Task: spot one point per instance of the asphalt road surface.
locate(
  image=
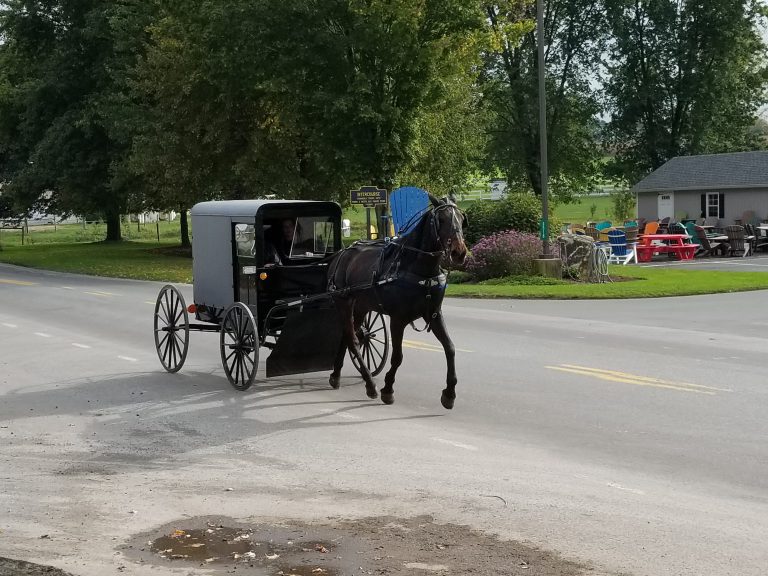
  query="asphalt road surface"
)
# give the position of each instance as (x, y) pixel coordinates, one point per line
(629, 435)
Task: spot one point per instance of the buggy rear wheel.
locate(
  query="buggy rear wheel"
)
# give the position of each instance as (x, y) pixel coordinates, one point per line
(239, 346)
(373, 336)
(171, 328)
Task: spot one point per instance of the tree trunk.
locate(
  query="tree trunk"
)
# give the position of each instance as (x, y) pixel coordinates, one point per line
(185, 243)
(113, 227)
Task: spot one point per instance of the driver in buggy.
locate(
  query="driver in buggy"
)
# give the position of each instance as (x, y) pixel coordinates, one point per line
(282, 240)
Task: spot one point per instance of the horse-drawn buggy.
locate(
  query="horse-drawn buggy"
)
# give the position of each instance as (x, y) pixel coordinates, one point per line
(273, 274)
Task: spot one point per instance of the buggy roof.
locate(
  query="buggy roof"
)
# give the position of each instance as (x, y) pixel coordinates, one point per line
(249, 208)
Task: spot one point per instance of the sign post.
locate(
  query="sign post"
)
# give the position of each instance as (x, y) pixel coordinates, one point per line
(369, 196)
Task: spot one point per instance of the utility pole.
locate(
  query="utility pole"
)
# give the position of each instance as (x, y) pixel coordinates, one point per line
(543, 131)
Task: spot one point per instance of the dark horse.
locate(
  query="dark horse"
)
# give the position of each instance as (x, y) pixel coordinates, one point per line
(403, 279)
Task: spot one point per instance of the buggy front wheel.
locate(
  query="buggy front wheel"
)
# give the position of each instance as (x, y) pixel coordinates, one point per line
(239, 346)
(373, 336)
(171, 328)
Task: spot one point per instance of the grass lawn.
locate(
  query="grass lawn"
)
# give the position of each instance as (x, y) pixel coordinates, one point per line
(139, 260)
(580, 213)
(630, 282)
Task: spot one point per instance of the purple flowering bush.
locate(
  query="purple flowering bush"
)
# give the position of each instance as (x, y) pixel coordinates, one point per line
(508, 253)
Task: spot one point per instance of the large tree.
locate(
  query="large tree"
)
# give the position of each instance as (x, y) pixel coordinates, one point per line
(299, 99)
(55, 143)
(574, 33)
(685, 77)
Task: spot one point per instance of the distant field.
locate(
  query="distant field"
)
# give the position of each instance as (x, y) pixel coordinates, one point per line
(580, 212)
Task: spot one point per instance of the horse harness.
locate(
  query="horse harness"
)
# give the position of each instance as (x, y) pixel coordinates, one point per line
(393, 273)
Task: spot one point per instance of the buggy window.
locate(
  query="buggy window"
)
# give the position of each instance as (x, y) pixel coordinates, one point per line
(313, 236)
(244, 239)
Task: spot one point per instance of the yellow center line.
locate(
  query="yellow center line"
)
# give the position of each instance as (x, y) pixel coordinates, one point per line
(635, 382)
(427, 345)
(646, 379)
(17, 282)
(418, 346)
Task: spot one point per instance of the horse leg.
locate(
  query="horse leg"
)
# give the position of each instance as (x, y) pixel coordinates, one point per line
(396, 330)
(344, 308)
(449, 394)
(335, 379)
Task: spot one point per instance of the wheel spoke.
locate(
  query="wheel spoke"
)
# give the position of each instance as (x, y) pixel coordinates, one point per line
(375, 349)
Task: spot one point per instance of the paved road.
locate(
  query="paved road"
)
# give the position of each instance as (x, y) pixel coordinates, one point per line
(628, 434)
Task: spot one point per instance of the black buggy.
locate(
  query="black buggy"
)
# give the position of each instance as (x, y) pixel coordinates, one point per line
(260, 270)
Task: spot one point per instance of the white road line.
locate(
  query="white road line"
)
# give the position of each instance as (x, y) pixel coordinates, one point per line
(43, 335)
(619, 487)
(456, 444)
(9, 325)
(128, 358)
(67, 288)
(84, 346)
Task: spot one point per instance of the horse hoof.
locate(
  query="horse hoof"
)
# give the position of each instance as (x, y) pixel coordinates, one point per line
(371, 392)
(335, 382)
(446, 401)
(388, 397)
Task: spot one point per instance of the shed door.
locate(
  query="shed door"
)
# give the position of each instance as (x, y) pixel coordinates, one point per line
(666, 205)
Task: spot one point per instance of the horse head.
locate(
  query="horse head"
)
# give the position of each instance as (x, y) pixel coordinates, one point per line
(448, 222)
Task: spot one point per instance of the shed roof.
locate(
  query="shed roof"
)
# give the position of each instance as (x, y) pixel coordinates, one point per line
(249, 208)
(708, 172)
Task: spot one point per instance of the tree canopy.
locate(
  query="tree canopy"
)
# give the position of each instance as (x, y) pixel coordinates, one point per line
(126, 105)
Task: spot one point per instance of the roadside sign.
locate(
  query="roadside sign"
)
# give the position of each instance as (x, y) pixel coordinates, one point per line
(543, 229)
(368, 196)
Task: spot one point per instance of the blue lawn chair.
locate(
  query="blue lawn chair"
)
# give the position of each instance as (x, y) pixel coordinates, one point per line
(603, 225)
(621, 253)
(406, 204)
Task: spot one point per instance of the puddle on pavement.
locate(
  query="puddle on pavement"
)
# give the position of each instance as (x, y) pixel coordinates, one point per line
(214, 544)
(218, 544)
(377, 545)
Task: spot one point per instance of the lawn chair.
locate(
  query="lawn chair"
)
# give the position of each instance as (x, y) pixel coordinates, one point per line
(709, 247)
(406, 204)
(604, 225)
(677, 228)
(651, 228)
(592, 232)
(620, 251)
(738, 240)
(664, 225)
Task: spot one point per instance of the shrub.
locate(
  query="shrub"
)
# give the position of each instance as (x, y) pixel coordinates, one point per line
(510, 253)
(513, 212)
(623, 205)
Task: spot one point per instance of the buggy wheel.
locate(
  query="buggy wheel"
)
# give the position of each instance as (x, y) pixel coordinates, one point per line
(239, 346)
(171, 328)
(373, 336)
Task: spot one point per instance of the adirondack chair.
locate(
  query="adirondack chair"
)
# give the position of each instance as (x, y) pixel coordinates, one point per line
(593, 232)
(406, 204)
(651, 228)
(603, 225)
(621, 253)
(738, 240)
(709, 247)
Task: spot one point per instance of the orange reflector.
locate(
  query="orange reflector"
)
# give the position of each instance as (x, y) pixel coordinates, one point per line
(192, 308)
(263, 276)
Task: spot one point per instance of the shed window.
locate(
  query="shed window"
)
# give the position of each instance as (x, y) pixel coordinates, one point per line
(713, 205)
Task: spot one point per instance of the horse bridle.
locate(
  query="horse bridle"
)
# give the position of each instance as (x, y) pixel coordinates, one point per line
(444, 249)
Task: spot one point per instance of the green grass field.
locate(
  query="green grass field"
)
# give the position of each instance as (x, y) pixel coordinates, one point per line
(580, 212)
